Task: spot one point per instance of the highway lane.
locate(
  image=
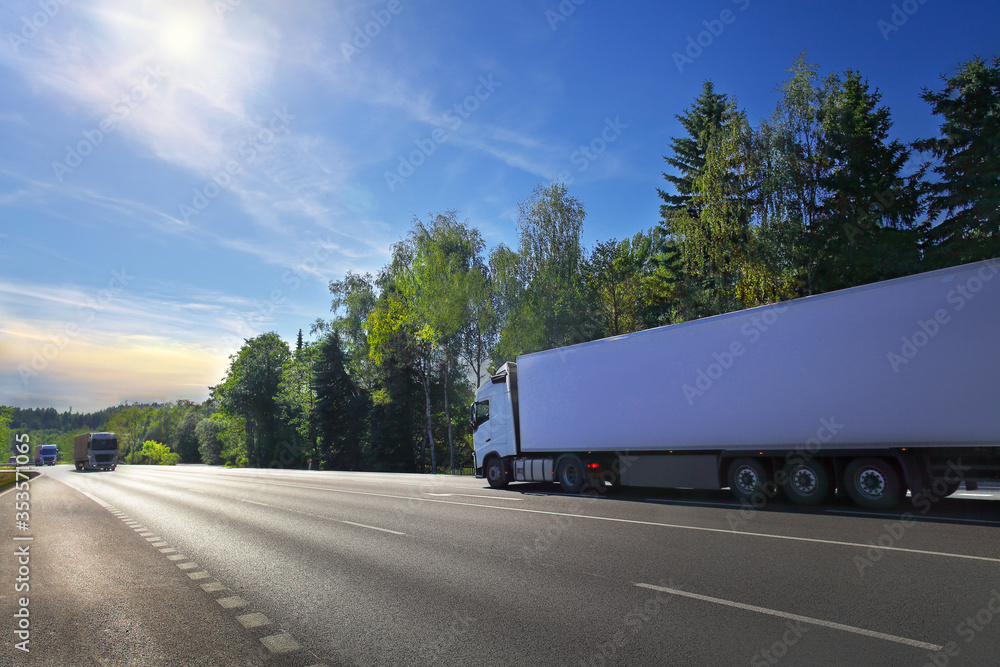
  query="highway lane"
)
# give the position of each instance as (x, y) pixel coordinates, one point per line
(373, 569)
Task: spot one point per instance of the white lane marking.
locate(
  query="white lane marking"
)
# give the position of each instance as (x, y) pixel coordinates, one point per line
(690, 502)
(326, 518)
(384, 530)
(645, 523)
(901, 516)
(475, 495)
(796, 617)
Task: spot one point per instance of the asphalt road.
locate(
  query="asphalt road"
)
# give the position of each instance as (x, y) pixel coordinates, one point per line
(380, 569)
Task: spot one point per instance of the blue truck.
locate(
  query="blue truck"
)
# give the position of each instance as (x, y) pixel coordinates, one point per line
(46, 455)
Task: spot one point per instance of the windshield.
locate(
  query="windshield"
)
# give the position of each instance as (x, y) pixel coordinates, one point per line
(49, 449)
(105, 443)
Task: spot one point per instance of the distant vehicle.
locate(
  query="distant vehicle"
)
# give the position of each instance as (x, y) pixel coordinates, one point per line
(95, 451)
(46, 455)
(875, 390)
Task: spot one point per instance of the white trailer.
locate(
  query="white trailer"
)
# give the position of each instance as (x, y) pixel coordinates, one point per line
(874, 390)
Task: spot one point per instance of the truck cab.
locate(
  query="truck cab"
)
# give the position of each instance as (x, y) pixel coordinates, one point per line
(46, 455)
(494, 424)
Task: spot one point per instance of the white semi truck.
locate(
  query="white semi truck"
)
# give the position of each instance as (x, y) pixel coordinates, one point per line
(873, 390)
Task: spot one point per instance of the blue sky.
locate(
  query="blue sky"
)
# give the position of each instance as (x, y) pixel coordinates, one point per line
(178, 176)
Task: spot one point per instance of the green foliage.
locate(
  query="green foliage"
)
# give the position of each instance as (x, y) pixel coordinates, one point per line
(819, 196)
(249, 391)
(965, 198)
(6, 415)
(157, 453)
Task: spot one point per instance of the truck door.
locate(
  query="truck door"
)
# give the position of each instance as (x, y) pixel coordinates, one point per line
(482, 430)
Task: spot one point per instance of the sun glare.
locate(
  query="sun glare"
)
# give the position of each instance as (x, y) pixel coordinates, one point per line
(182, 37)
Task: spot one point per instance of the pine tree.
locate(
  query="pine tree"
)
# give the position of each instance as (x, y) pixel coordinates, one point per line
(868, 207)
(966, 197)
(709, 113)
(341, 408)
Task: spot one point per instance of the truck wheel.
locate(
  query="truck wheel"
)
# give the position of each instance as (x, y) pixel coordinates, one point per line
(79, 467)
(571, 475)
(747, 478)
(496, 474)
(806, 482)
(873, 483)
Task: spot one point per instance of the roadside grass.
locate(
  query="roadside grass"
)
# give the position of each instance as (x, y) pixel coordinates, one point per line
(7, 474)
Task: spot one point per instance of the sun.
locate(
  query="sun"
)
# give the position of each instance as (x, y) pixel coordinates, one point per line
(182, 37)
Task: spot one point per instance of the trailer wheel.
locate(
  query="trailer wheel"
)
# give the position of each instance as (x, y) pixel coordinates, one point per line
(806, 482)
(570, 475)
(79, 467)
(496, 473)
(747, 478)
(873, 483)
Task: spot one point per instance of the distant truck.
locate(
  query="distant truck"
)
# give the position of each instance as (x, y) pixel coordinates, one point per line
(46, 455)
(873, 390)
(95, 451)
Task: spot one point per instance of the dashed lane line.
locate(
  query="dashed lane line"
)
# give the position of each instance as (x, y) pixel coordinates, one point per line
(637, 522)
(796, 617)
(325, 518)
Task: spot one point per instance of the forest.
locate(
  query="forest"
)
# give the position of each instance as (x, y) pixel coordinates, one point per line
(819, 196)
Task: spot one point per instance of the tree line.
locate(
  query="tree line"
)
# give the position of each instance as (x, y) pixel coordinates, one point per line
(816, 197)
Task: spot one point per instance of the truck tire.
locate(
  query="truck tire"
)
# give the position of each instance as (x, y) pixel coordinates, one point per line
(570, 475)
(748, 478)
(496, 473)
(79, 466)
(806, 482)
(874, 483)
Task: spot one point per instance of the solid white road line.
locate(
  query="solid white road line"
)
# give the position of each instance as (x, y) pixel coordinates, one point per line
(475, 495)
(384, 530)
(320, 516)
(910, 517)
(796, 617)
(813, 540)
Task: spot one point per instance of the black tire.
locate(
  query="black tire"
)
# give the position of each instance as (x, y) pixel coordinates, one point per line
(874, 483)
(570, 475)
(496, 473)
(952, 488)
(749, 478)
(806, 482)
(79, 467)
